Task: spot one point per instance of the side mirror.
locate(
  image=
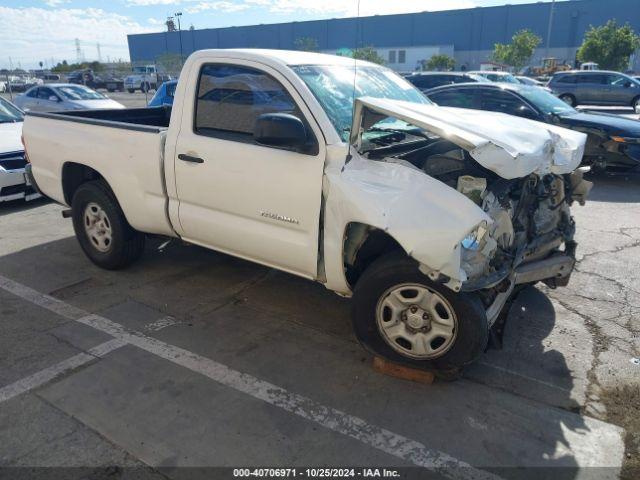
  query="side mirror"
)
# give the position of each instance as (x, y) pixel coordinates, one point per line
(53, 98)
(527, 112)
(280, 130)
(627, 84)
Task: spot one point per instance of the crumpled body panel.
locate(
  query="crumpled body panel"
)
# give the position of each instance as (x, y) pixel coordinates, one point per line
(512, 147)
(425, 216)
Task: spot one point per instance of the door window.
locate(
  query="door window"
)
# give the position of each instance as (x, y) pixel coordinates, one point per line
(501, 101)
(617, 80)
(44, 93)
(455, 97)
(231, 98)
(597, 79)
(33, 93)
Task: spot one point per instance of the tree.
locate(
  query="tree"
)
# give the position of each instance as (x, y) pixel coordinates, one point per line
(609, 46)
(306, 44)
(440, 62)
(369, 54)
(519, 51)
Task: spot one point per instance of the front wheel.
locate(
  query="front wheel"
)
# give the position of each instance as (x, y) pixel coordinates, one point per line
(101, 228)
(401, 315)
(131, 90)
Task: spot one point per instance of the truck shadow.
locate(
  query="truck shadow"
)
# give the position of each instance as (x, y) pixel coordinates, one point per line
(193, 285)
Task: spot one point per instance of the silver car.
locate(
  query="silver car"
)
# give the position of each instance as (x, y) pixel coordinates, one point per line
(596, 87)
(63, 96)
(492, 76)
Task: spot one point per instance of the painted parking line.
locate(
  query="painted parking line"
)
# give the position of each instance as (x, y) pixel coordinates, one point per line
(341, 422)
(45, 376)
(49, 374)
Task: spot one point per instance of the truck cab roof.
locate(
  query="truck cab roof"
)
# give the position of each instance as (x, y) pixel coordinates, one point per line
(283, 57)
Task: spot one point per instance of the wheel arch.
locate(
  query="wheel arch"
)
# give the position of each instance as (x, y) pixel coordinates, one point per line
(362, 244)
(75, 174)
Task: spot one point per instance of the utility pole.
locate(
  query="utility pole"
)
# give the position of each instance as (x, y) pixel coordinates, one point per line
(551, 12)
(178, 15)
(78, 51)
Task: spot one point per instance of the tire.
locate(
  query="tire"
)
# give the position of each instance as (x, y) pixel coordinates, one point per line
(110, 90)
(144, 87)
(124, 246)
(131, 90)
(396, 270)
(568, 99)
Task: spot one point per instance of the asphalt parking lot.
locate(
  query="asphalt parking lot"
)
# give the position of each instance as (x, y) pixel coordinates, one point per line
(194, 358)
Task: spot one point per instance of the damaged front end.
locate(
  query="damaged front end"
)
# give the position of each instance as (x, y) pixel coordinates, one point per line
(514, 181)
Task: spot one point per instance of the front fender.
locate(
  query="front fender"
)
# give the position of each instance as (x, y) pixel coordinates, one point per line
(426, 217)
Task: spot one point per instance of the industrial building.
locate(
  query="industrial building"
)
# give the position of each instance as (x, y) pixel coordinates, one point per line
(404, 40)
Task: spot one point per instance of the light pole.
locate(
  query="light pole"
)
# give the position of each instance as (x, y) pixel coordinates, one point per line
(553, 5)
(178, 15)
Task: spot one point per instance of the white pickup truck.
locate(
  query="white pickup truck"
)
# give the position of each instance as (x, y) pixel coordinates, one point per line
(429, 217)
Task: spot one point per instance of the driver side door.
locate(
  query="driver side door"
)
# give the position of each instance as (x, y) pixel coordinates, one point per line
(44, 101)
(235, 195)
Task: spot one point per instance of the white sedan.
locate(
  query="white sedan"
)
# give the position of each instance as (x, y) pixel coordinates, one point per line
(63, 96)
(12, 160)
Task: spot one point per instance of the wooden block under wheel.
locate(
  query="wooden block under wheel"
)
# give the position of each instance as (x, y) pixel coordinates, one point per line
(401, 371)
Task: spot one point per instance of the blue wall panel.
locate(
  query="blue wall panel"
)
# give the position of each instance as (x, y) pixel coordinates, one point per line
(471, 29)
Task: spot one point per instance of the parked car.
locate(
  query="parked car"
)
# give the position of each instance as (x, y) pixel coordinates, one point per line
(613, 141)
(22, 84)
(532, 82)
(3, 87)
(164, 94)
(89, 79)
(429, 217)
(492, 76)
(63, 96)
(427, 80)
(596, 87)
(12, 160)
(145, 78)
(50, 77)
(589, 66)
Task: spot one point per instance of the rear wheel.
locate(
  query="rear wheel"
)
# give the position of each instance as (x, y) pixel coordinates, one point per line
(145, 87)
(131, 90)
(401, 315)
(101, 228)
(568, 99)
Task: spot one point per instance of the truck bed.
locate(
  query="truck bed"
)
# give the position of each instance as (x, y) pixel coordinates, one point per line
(125, 147)
(153, 119)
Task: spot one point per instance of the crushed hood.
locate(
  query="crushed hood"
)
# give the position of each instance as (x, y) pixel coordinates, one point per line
(512, 147)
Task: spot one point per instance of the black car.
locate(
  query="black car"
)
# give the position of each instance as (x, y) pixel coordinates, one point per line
(89, 79)
(613, 141)
(428, 80)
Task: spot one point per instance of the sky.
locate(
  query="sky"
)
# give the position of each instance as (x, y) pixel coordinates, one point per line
(33, 31)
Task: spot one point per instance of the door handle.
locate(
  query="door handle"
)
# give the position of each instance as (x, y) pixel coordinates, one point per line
(188, 158)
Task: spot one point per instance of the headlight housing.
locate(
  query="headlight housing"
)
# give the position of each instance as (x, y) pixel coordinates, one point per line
(477, 250)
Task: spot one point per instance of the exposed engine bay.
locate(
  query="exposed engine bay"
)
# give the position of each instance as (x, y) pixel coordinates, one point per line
(531, 215)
